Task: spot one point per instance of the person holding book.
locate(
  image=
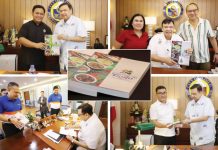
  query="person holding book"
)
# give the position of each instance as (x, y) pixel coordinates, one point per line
(199, 115)
(161, 45)
(198, 31)
(92, 133)
(9, 105)
(135, 36)
(43, 105)
(162, 115)
(71, 31)
(55, 100)
(31, 37)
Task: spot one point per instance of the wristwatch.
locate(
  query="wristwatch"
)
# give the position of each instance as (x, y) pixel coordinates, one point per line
(9, 119)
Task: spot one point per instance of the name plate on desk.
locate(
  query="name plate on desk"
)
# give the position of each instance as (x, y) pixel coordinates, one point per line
(8, 62)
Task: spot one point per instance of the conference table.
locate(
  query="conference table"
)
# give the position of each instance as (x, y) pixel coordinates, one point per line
(155, 70)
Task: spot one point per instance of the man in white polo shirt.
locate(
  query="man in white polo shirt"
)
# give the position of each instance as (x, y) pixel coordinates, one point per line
(198, 31)
(71, 31)
(162, 115)
(92, 133)
(161, 45)
(200, 116)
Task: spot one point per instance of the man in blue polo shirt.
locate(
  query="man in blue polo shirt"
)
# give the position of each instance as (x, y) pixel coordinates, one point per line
(55, 101)
(9, 105)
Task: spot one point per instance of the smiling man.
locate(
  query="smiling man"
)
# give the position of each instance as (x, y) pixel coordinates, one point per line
(71, 31)
(200, 116)
(162, 115)
(198, 31)
(161, 45)
(31, 37)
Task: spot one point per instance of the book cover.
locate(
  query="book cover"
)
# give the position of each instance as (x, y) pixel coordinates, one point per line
(124, 78)
(179, 52)
(52, 45)
(98, 67)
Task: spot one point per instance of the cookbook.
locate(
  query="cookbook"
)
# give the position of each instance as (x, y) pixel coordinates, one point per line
(52, 45)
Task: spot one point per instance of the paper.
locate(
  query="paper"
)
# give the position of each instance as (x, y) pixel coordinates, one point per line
(70, 132)
(55, 137)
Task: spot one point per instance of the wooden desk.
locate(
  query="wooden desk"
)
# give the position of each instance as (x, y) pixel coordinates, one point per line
(181, 147)
(26, 72)
(64, 143)
(23, 141)
(51, 62)
(182, 139)
(155, 70)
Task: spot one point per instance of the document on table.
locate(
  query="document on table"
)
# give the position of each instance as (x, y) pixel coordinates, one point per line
(70, 132)
(55, 137)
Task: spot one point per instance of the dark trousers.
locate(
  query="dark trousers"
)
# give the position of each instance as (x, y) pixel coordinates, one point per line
(10, 129)
(43, 114)
(163, 140)
(199, 66)
(54, 111)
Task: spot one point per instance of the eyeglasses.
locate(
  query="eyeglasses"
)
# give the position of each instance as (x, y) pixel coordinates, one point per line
(161, 93)
(80, 115)
(194, 11)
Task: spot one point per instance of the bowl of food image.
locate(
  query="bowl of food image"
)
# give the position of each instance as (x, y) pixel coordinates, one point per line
(75, 61)
(95, 65)
(83, 68)
(85, 78)
(105, 62)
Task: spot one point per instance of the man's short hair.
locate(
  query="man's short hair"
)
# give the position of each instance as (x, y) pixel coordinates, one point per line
(197, 86)
(11, 84)
(55, 87)
(191, 4)
(68, 4)
(38, 6)
(86, 108)
(2, 90)
(167, 21)
(160, 87)
(42, 91)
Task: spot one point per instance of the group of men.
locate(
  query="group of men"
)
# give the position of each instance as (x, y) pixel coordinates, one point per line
(196, 30)
(70, 31)
(10, 104)
(199, 115)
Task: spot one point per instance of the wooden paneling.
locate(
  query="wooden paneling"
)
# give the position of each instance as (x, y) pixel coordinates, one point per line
(175, 90)
(155, 8)
(13, 12)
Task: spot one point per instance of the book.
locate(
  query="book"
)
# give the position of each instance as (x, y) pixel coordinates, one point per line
(52, 45)
(76, 61)
(179, 52)
(110, 75)
(55, 137)
(70, 132)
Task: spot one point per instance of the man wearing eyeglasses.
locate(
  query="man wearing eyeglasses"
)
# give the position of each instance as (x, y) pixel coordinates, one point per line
(92, 133)
(198, 31)
(9, 105)
(200, 116)
(162, 115)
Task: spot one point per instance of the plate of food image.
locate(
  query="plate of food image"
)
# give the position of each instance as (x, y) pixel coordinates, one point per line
(83, 68)
(85, 78)
(95, 65)
(105, 62)
(75, 61)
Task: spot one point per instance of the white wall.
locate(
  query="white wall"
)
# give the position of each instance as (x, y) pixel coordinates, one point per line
(48, 89)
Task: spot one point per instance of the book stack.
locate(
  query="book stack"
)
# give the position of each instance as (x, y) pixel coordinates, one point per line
(103, 73)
